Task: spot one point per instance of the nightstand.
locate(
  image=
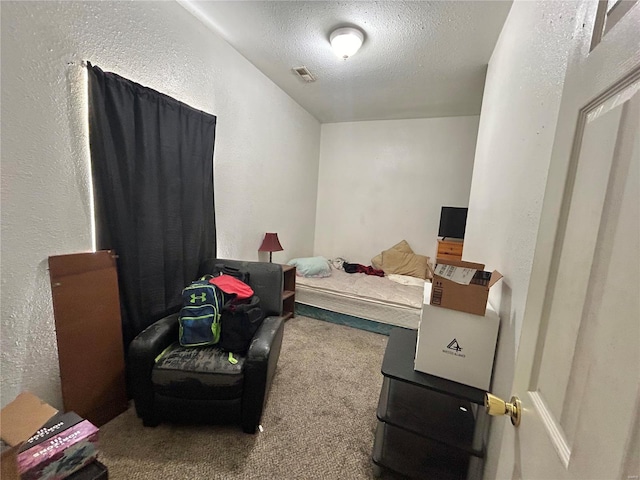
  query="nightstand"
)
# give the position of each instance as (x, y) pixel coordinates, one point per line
(289, 291)
(450, 249)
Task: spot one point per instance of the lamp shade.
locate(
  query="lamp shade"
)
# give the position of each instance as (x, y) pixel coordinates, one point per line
(270, 243)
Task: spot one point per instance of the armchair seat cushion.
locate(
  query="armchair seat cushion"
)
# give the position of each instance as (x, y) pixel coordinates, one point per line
(203, 373)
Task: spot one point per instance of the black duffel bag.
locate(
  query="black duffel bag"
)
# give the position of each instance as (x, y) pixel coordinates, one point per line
(239, 322)
(240, 274)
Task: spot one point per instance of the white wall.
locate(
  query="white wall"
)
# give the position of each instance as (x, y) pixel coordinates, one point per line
(384, 181)
(266, 152)
(515, 138)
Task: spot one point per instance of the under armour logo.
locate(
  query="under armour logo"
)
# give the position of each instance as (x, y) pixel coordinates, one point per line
(202, 297)
(454, 345)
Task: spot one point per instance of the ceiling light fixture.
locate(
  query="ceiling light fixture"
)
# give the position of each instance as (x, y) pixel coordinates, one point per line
(346, 41)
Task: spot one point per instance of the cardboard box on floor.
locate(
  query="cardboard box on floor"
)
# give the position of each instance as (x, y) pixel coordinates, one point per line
(43, 443)
(18, 421)
(470, 298)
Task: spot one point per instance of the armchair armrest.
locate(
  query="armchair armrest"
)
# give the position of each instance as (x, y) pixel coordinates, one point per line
(143, 351)
(260, 367)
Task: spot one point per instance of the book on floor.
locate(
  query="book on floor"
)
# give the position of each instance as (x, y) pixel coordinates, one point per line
(56, 424)
(60, 455)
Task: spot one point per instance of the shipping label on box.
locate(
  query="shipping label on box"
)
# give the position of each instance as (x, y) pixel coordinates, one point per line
(459, 275)
(456, 345)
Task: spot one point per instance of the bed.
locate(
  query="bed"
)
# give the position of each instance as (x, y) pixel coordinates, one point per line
(368, 297)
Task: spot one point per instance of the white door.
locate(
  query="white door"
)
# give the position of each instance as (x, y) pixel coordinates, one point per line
(578, 367)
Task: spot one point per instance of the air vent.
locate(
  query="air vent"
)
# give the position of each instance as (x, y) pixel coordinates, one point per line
(304, 74)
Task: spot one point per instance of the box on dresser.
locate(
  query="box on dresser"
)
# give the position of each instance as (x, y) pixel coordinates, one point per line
(470, 297)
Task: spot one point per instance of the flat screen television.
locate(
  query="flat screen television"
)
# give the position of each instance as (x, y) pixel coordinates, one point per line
(453, 221)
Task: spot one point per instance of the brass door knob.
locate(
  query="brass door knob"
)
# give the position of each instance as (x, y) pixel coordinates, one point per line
(497, 406)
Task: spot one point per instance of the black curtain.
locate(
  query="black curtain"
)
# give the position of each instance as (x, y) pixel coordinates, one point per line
(152, 165)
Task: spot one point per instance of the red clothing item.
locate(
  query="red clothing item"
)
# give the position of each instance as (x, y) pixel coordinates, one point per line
(231, 285)
(370, 271)
(357, 268)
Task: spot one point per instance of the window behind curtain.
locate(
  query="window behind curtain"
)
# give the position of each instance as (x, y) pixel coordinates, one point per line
(152, 166)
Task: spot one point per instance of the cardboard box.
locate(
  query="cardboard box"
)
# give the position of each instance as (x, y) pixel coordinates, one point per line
(456, 345)
(18, 421)
(61, 455)
(471, 297)
(23, 426)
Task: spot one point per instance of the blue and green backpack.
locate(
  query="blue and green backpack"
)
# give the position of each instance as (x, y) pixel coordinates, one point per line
(199, 318)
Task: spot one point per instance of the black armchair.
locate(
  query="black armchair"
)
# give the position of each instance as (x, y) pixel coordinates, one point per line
(199, 384)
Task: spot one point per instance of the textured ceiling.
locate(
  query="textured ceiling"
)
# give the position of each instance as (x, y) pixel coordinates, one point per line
(419, 59)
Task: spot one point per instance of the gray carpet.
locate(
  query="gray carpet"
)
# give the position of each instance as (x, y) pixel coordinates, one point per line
(319, 421)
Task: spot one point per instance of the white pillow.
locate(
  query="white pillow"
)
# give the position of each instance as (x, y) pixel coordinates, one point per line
(311, 266)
